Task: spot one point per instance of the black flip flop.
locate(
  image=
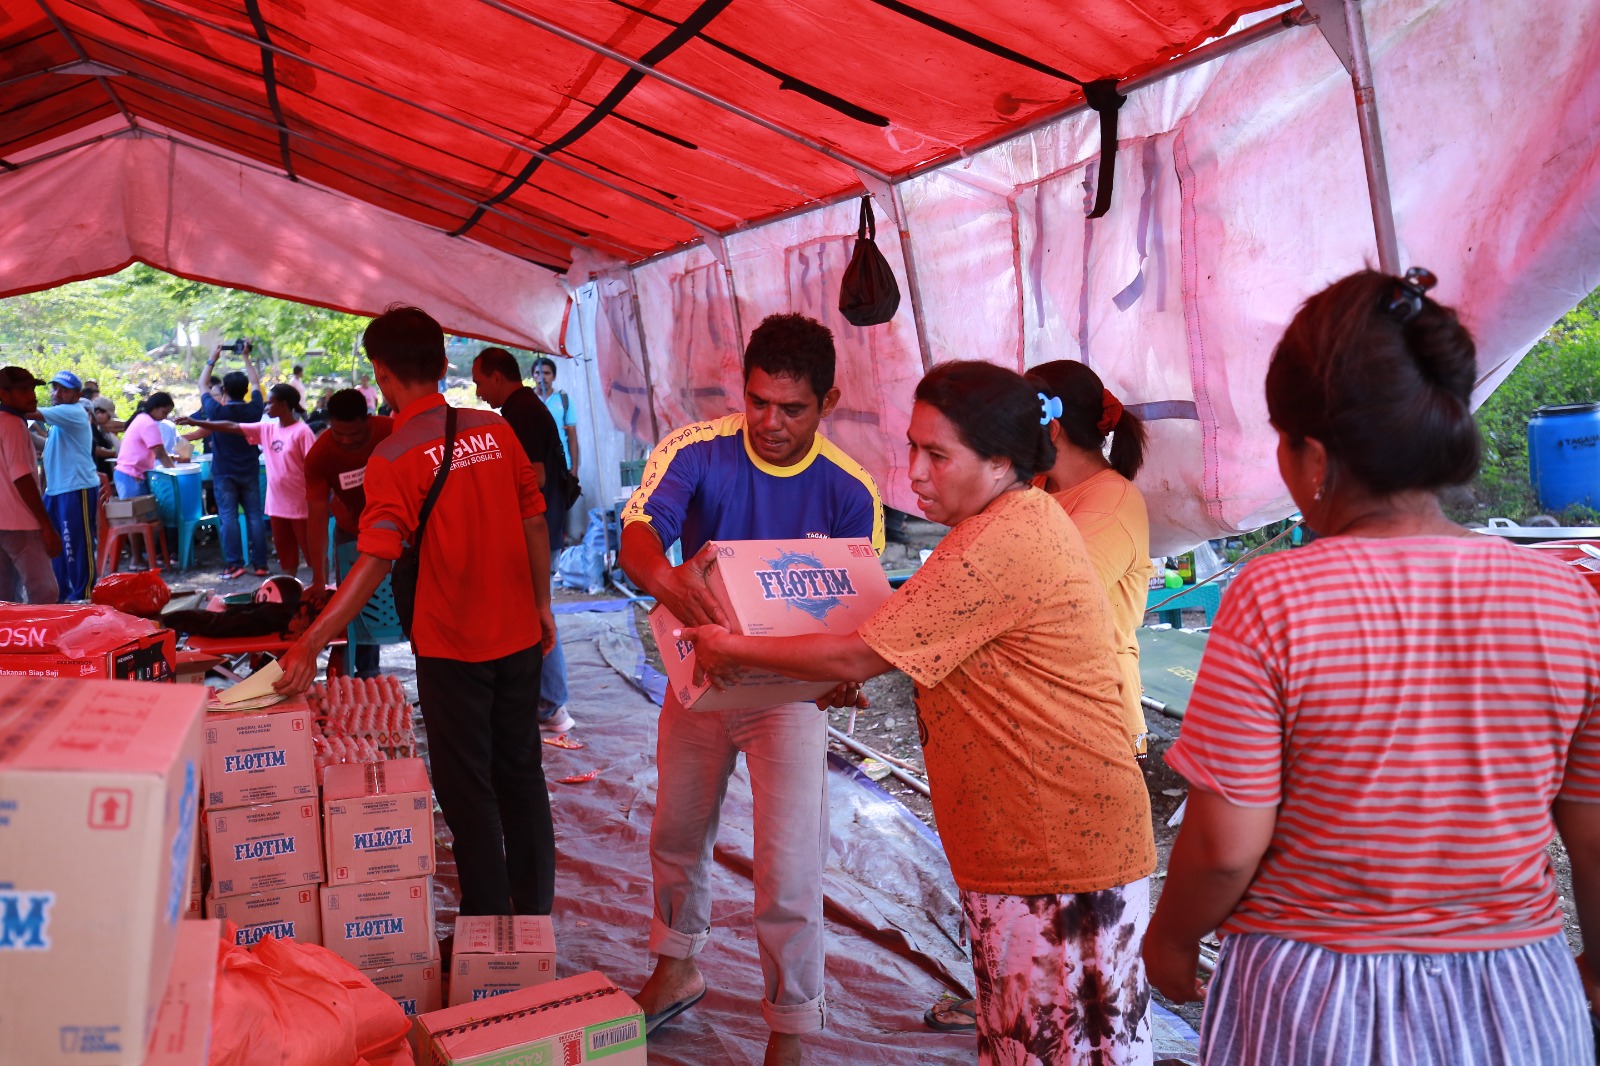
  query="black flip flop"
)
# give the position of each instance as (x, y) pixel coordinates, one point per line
(967, 1008)
(652, 1022)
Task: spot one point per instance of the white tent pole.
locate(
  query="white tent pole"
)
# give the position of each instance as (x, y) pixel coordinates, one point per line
(904, 223)
(1346, 33)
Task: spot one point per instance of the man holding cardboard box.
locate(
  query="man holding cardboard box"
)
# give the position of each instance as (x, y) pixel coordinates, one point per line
(766, 474)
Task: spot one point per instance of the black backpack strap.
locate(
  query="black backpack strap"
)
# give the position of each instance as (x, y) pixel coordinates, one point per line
(443, 472)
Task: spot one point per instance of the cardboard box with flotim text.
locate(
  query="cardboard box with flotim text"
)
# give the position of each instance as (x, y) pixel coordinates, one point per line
(377, 821)
(267, 846)
(286, 913)
(380, 923)
(416, 986)
(496, 954)
(775, 588)
(99, 794)
(260, 756)
(182, 1034)
(564, 1023)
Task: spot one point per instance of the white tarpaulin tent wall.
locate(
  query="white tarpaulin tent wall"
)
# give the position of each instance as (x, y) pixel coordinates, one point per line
(1240, 191)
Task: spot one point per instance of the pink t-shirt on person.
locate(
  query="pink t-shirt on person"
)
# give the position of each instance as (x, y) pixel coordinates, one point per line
(137, 456)
(284, 448)
(1411, 707)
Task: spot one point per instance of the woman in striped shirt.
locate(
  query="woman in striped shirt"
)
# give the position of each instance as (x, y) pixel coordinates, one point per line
(1389, 726)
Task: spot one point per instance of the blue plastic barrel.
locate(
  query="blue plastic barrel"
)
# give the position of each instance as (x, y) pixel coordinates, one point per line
(1564, 455)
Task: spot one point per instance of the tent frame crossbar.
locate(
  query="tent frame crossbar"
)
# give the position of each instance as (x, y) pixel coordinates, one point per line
(1294, 17)
(685, 87)
(431, 112)
(83, 57)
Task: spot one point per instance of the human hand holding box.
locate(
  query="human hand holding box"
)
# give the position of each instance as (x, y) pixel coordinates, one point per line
(776, 588)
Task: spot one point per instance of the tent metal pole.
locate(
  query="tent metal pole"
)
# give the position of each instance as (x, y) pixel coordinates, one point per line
(682, 86)
(1346, 33)
(375, 163)
(1372, 141)
(1296, 16)
(323, 68)
(644, 362)
(903, 222)
(71, 39)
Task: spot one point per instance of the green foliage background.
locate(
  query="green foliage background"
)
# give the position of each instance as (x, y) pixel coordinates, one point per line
(1564, 367)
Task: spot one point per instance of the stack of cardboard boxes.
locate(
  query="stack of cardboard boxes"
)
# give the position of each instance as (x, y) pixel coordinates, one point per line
(99, 790)
(377, 904)
(262, 829)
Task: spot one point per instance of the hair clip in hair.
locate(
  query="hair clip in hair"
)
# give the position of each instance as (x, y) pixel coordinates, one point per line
(1405, 299)
(1049, 407)
(1110, 412)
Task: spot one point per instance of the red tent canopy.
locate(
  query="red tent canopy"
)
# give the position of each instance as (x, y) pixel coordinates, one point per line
(534, 126)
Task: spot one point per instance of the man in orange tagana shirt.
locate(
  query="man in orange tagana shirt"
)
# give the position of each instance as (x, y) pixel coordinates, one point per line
(479, 640)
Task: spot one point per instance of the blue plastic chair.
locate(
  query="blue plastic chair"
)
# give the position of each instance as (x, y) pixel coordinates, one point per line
(377, 622)
(179, 495)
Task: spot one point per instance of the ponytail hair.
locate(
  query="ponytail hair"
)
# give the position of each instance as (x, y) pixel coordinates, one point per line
(155, 399)
(1089, 412)
(995, 411)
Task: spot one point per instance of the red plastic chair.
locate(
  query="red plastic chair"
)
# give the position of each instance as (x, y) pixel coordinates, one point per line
(113, 534)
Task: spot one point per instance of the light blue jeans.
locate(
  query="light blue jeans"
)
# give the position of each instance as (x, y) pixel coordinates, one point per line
(785, 748)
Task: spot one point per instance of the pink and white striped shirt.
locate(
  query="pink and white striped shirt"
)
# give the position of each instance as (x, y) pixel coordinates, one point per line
(1412, 707)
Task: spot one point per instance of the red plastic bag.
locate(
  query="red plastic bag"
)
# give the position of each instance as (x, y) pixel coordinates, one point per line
(284, 1003)
(73, 630)
(142, 592)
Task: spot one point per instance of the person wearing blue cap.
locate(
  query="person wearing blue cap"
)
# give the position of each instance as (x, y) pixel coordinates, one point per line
(70, 484)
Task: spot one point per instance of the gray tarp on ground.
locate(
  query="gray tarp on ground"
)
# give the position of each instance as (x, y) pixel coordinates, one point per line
(891, 906)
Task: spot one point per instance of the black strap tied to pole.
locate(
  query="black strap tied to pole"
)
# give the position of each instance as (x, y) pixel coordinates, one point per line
(1102, 95)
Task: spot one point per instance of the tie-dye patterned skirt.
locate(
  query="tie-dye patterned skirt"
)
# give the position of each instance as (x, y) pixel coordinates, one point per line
(1060, 978)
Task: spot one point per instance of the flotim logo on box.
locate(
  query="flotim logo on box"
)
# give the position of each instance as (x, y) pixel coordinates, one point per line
(802, 581)
(25, 920)
(251, 934)
(381, 839)
(374, 928)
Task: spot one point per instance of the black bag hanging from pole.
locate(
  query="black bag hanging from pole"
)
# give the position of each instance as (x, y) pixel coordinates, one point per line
(868, 295)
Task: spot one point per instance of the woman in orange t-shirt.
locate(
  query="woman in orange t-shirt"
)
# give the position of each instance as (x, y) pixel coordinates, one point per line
(1041, 807)
(1102, 501)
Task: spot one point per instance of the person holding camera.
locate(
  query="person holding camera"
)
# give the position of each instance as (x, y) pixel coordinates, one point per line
(235, 461)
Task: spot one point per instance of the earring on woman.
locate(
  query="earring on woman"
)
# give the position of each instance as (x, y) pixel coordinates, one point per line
(1316, 497)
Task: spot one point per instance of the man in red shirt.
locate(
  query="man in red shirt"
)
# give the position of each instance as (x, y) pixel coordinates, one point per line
(482, 621)
(336, 471)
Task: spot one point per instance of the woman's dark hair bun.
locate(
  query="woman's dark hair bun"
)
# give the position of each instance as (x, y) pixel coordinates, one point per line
(1388, 394)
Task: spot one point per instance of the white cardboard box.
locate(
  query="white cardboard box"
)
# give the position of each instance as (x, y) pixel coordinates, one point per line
(778, 588)
(416, 986)
(565, 1023)
(286, 913)
(182, 1034)
(99, 790)
(259, 756)
(270, 845)
(380, 923)
(496, 954)
(377, 821)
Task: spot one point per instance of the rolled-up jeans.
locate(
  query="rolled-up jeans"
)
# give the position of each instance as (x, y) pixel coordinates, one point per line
(785, 748)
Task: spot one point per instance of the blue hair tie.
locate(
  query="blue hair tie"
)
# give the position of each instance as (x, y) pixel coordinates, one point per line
(1049, 407)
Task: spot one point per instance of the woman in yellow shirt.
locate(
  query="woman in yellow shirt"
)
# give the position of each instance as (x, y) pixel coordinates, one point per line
(1041, 807)
(1102, 501)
